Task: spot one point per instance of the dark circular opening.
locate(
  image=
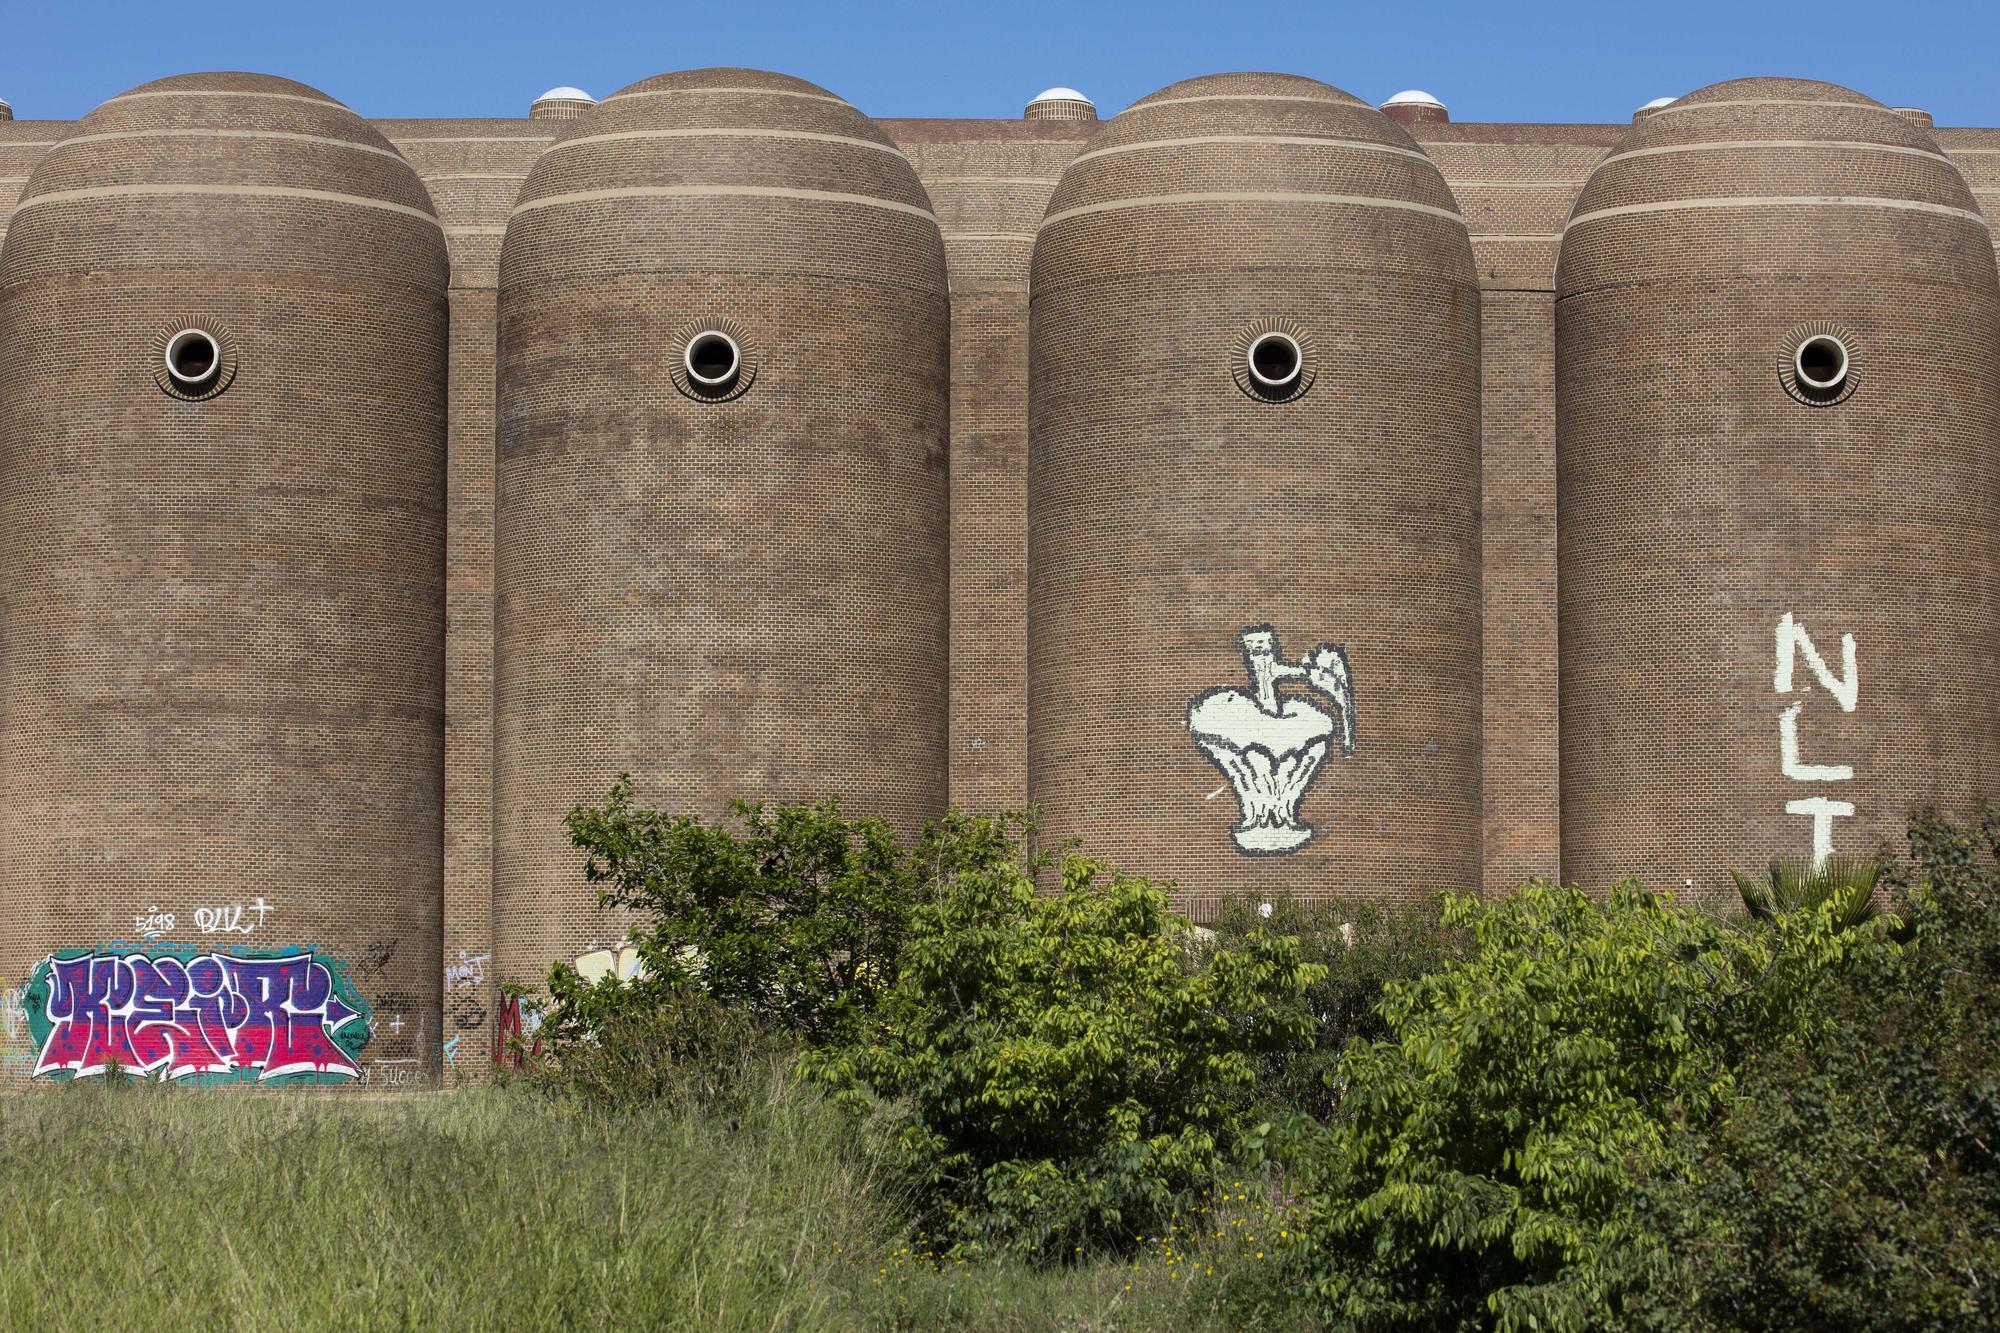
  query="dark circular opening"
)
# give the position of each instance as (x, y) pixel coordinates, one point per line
(1274, 361)
(1822, 364)
(193, 357)
(713, 360)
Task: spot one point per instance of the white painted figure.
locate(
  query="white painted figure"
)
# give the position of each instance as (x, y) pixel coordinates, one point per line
(1271, 745)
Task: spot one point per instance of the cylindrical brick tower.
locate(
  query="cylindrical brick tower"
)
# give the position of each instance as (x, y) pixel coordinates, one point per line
(1253, 597)
(222, 450)
(1778, 441)
(721, 513)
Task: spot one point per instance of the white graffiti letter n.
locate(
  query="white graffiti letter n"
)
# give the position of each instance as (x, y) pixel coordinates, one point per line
(1792, 641)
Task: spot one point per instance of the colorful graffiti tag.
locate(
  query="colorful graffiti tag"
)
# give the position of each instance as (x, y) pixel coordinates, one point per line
(266, 1017)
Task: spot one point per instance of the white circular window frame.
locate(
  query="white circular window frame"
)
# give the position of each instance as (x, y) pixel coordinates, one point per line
(728, 376)
(1280, 382)
(172, 357)
(1812, 382)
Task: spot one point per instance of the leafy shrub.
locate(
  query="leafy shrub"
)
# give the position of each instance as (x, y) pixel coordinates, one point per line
(1362, 947)
(795, 922)
(621, 1045)
(1855, 1183)
(1484, 1164)
(1064, 1066)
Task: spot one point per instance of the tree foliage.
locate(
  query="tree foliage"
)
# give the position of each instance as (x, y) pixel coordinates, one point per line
(1483, 1166)
(1064, 1065)
(1855, 1183)
(794, 920)
(1361, 947)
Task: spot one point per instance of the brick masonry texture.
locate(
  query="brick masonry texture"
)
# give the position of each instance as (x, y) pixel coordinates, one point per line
(1701, 504)
(743, 597)
(224, 619)
(1169, 508)
(1672, 767)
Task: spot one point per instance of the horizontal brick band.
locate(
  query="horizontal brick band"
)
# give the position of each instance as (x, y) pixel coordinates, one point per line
(473, 138)
(1251, 197)
(233, 134)
(1247, 97)
(754, 92)
(989, 180)
(1781, 201)
(1858, 144)
(716, 133)
(242, 191)
(226, 92)
(704, 191)
(1316, 140)
(1677, 108)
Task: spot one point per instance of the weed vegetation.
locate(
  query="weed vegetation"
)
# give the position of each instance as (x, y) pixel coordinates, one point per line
(862, 1082)
(160, 1208)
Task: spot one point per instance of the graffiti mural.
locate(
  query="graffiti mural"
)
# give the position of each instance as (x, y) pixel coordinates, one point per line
(269, 1017)
(1793, 644)
(1271, 745)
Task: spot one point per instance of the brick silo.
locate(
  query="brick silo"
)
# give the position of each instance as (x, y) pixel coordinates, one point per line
(721, 509)
(1778, 439)
(1253, 598)
(222, 450)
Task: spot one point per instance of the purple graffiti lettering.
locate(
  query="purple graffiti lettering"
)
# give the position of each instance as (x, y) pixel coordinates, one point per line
(209, 1015)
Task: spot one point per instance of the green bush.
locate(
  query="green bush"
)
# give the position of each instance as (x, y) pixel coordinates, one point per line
(1483, 1166)
(794, 922)
(1855, 1183)
(1362, 946)
(619, 1044)
(1064, 1066)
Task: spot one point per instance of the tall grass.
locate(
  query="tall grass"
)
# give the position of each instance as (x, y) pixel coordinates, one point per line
(164, 1208)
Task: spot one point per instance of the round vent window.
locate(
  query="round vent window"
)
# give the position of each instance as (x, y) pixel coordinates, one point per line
(715, 362)
(1821, 363)
(193, 359)
(1273, 360)
(1818, 368)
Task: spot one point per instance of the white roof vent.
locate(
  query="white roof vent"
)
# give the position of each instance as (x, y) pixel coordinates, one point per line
(1414, 106)
(1061, 104)
(1653, 106)
(564, 103)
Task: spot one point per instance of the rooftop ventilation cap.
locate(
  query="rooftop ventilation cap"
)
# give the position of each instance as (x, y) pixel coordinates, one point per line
(1414, 106)
(1061, 104)
(564, 103)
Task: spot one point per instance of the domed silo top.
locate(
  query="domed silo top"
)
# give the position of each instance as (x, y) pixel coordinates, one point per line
(723, 171)
(236, 171)
(564, 103)
(1771, 177)
(1061, 104)
(1224, 143)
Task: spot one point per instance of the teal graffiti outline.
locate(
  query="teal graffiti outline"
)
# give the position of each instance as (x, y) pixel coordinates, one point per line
(351, 1037)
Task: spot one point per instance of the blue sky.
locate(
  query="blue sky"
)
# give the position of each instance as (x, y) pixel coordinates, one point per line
(1492, 61)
